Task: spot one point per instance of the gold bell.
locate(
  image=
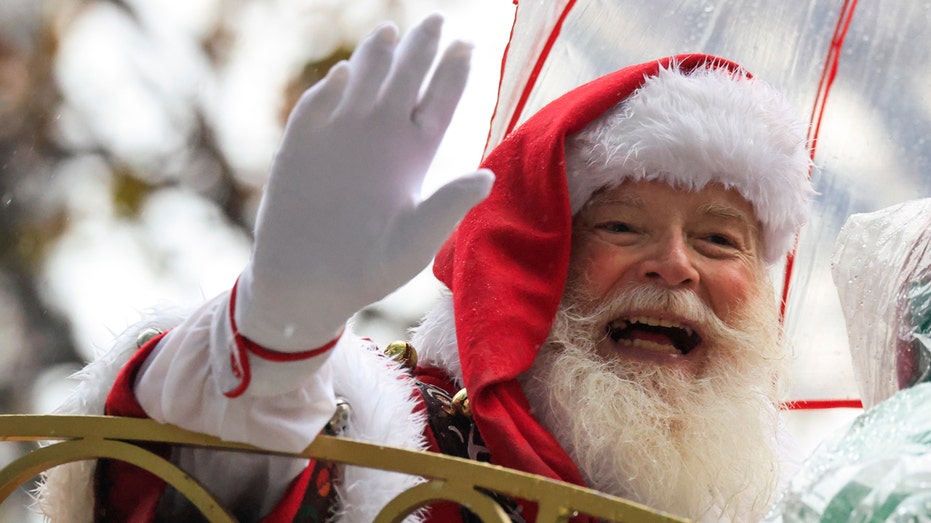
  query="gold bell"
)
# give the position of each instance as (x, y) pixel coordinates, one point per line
(460, 403)
(145, 336)
(403, 353)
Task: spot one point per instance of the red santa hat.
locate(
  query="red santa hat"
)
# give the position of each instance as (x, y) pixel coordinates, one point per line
(688, 120)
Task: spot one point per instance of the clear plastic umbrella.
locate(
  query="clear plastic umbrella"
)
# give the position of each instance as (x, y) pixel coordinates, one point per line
(859, 71)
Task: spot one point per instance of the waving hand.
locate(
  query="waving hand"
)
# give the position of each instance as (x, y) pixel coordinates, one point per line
(339, 226)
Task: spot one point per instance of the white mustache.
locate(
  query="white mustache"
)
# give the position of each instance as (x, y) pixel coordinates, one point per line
(685, 306)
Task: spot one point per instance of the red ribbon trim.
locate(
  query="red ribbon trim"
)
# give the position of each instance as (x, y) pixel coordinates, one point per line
(828, 74)
(239, 361)
(537, 67)
(822, 404)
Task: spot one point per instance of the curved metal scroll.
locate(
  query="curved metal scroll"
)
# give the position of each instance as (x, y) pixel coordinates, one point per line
(449, 479)
(42, 459)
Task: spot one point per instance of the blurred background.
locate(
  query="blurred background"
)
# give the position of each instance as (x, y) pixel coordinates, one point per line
(136, 135)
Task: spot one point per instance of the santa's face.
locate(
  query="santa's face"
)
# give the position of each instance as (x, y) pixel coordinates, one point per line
(704, 242)
(663, 367)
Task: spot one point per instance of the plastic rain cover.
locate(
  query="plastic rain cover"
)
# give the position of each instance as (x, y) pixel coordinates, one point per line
(860, 71)
(880, 468)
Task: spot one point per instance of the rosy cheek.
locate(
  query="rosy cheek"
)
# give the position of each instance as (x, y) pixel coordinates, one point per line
(729, 290)
(602, 270)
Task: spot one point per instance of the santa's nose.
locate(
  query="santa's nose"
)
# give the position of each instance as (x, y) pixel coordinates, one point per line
(670, 264)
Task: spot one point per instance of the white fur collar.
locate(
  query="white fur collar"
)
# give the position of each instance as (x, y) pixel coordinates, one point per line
(435, 338)
(381, 395)
(65, 493)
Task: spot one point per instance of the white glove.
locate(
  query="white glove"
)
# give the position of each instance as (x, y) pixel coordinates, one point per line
(338, 226)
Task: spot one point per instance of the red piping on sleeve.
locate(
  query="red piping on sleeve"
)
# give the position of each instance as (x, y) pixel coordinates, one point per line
(239, 360)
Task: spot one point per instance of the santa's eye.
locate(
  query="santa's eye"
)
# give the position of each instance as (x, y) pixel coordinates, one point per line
(615, 227)
(720, 244)
(722, 240)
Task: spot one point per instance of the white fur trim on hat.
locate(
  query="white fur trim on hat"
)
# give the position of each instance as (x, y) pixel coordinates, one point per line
(690, 129)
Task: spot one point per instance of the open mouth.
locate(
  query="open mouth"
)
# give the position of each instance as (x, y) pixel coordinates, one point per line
(653, 334)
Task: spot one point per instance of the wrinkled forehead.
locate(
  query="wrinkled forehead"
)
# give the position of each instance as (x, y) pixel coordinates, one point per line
(714, 200)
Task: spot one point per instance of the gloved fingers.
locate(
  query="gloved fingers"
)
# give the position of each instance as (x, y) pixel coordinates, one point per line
(457, 196)
(439, 101)
(317, 104)
(431, 221)
(369, 66)
(413, 59)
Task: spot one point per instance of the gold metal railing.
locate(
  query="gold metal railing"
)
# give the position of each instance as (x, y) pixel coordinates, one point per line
(448, 478)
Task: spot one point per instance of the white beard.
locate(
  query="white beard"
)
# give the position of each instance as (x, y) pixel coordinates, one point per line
(702, 447)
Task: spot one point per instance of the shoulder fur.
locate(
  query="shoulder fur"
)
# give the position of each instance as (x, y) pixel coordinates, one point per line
(435, 338)
(65, 493)
(382, 397)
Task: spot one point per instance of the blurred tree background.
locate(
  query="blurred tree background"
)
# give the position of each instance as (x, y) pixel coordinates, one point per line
(135, 136)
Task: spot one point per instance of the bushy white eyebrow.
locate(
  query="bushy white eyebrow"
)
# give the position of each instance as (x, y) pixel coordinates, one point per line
(729, 213)
(626, 199)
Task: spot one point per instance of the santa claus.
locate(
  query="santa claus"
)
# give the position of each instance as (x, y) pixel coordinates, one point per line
(609, 313)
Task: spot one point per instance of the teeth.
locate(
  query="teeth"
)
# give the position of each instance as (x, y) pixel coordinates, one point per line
(656, 322)
(650, 346)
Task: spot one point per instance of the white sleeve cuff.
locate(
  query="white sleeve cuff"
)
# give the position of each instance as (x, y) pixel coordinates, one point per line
(284, 407)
